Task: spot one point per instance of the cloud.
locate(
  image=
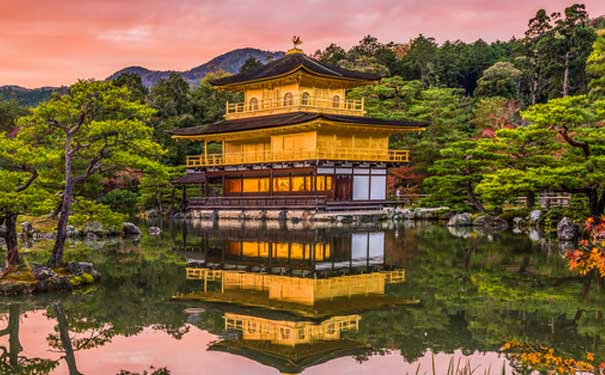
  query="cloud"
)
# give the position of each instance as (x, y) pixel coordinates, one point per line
(133, 34)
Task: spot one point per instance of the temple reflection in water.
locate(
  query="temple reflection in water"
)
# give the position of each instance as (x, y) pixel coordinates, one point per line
(318, 279)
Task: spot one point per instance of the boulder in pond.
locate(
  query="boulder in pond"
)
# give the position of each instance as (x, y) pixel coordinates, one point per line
(567, 230)
(493, 223)
(519, 222)
(79, 268)
(535, 217)
(155, 231)
(179, 216)
(95, 228)
(129, 228)
(43, 272)
(460, 220)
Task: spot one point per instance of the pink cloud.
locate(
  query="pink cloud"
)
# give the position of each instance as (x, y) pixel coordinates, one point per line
(57, 42)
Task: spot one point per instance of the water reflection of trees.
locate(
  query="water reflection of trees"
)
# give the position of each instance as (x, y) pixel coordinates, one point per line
(134, 295)
(476, 294)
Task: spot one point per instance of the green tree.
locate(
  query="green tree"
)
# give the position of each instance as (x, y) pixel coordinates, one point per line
(500, 79)
(576, 121)
(95, 127)
(521, 149)
(331, 55)
(10, 110)
(571, 46)
(533, 56)
(251, 64)
(21, 190)
(134, 83)
(419, 62)
(459, 171)
(595, 66)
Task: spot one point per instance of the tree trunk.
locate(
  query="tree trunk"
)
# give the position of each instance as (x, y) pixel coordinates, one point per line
(13, 258)
(566, 76)
(63, 329)
(56, 258)
(474, 201)
(531, 200)
(597, 206)
(14, 344)
(534, 92)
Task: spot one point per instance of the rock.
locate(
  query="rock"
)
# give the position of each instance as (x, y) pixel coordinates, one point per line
(534, 235)
(567, 230)
(43, 272)
(155, 231)
(535, 216)
(94, 227)
(91, 237)
(460, 231)
(179, 216)
(519, 222)
(27, 228)
(460, 220)
(79, 268)
(130, 229)
(3, 230)
(490, 223)
(72, 231)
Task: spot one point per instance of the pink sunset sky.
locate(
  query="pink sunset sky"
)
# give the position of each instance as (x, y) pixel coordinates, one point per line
(51, 43)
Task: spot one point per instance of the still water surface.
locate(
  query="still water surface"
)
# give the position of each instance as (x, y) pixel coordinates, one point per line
(254, 299)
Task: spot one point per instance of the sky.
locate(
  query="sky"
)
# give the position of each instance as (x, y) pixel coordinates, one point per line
(56, 42)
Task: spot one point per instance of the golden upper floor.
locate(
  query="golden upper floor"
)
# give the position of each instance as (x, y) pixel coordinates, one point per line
(294, 83)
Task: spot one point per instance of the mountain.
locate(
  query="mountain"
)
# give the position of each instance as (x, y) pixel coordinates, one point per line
(229, 62)
(28, 97)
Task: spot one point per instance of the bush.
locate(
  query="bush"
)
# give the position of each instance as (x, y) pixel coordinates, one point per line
(122, 201)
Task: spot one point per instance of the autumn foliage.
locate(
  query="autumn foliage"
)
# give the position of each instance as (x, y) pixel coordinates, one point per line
(590, 254)
(546, 360)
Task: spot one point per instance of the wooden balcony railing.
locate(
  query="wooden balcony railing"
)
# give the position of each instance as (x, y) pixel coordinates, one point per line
(294, 104)
(334, 153)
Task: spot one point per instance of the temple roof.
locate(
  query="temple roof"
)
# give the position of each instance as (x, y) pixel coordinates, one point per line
(290, 64)
(284, 119)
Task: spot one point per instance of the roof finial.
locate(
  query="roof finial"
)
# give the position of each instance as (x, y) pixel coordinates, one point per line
(296, 41)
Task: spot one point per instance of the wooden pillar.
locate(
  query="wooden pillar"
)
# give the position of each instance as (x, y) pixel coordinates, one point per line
(172, 196)
(184, 198)
(206, 152)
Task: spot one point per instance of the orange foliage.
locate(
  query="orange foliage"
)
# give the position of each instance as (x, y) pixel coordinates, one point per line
(590, 255)
(544, 359)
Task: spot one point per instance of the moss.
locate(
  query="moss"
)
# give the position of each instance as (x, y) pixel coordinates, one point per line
(87, 278)
(75, 280)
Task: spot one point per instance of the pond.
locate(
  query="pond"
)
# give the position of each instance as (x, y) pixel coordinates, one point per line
(269, 299)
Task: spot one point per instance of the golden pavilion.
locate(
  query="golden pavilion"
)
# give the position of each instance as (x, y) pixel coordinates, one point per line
(294, 142)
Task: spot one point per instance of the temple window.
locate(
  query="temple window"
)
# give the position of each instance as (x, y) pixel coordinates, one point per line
(254, 104)
(288, 99)
(306, 99)
(336, 101)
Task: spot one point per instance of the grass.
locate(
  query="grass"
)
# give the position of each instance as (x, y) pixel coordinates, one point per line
(457, 367)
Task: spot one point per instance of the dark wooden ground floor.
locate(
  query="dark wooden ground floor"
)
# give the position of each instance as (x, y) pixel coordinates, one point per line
(319, 187)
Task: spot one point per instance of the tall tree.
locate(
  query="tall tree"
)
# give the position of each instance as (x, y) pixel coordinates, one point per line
(571, 45)
(501, 79)
(95, 127)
